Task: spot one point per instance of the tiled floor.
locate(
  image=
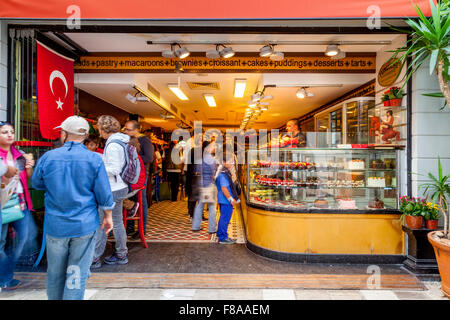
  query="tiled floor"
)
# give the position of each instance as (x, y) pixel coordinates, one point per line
(433, 293)
(169, 222)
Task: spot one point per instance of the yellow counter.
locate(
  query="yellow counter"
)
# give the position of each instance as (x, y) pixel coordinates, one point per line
(316, 233)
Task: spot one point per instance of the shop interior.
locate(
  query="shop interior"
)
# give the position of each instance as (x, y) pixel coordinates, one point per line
(333, 108)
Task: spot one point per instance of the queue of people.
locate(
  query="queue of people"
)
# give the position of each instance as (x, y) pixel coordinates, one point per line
(94, 184)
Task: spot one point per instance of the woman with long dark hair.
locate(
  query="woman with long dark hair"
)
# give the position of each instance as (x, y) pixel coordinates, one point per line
(16, 205)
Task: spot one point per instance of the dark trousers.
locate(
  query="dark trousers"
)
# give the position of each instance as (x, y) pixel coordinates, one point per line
(174, 180)
(191, 207)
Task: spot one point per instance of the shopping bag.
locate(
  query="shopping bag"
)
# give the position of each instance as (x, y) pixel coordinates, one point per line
(164, 191)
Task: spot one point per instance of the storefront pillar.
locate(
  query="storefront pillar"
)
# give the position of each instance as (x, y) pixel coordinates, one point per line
(3, 70)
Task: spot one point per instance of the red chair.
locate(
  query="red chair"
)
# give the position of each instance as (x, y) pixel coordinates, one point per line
(139, 216)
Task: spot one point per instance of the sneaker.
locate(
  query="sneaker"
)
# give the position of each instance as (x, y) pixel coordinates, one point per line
(132, 212)
(228, 241)
(96, 264)
(11, 285)
(115, 259)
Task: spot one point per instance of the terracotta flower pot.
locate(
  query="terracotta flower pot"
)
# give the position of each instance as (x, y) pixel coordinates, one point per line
(442, 252)
(386, 103)
(414, 222)
(395, 102)
(431, 224)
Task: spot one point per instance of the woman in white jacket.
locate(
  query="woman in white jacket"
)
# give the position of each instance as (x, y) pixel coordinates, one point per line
(114, 159)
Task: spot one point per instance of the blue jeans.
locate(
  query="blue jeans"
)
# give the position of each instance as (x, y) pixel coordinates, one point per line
(198, 212)
(10, 255)
(226, 211)
(69, 261)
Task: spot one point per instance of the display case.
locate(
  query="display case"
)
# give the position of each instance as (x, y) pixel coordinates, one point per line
(323, 180)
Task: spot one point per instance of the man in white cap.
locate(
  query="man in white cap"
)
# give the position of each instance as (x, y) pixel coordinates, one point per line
(76, 185)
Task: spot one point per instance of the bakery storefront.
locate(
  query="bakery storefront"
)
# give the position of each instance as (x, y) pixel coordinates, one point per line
(333, 199)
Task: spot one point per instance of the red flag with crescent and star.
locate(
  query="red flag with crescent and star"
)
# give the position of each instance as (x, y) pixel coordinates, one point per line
(55, 90)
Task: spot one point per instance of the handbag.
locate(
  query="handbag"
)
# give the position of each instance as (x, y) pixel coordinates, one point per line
(11, 211)
(209, 194)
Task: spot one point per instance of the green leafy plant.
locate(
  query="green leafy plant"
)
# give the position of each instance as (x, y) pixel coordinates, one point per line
(438, 190)
(431, 211)
(385, 97)
(429, 39)
(411, 206)
(395, 93)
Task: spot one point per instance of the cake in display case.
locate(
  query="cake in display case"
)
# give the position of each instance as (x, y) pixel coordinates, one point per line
(311, 180)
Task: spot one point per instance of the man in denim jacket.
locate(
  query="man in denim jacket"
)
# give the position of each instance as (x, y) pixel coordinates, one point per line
(76, 184)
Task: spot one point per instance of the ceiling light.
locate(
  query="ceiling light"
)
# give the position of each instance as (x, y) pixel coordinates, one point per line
(266, 51)
(265, 98)
(277, 56)
(340, 55)
(210, 99)
(142, 98)
(168, 54)
(132, 99)
(212, 54)
(255, 97)
(239, 87)
(301, 93)
(226, 52)
(182, 52)
(332, 50)
(177, 91)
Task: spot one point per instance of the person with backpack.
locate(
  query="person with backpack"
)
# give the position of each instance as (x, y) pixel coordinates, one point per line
(115, 159)
(146, 153)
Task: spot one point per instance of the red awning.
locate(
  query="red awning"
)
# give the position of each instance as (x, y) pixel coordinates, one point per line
(211, 9)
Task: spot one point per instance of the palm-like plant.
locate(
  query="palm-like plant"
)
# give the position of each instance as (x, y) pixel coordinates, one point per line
(438, 190)
(430, 38)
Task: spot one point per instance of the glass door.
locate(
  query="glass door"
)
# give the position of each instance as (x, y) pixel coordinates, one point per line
(352, 123)
(336, 127)
(322, 130)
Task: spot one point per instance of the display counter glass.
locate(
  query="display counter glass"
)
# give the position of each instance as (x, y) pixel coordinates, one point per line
(323, 180)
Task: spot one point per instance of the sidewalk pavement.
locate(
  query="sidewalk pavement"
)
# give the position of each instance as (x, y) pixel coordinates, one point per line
(432, 292)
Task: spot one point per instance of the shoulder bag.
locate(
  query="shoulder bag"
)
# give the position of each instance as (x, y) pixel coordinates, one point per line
(209, 194)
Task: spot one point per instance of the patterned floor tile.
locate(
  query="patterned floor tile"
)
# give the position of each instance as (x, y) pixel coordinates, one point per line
(169, 222)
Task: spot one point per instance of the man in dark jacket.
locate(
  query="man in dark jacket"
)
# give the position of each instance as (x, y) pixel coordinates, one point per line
(146, 154)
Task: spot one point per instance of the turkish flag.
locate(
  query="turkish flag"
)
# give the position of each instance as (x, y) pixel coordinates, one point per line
(55, 90)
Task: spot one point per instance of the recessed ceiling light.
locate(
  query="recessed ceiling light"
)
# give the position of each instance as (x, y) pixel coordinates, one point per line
(210, 99)
(239, 87)
(177, 91)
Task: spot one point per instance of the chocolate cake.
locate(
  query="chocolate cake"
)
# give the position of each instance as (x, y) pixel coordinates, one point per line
(376, 204)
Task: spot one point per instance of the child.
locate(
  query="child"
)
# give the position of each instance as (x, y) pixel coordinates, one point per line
(92, 142)
(227, 198)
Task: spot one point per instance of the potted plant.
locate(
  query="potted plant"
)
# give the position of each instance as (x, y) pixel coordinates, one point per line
(439, 190)
(411, 209)
(428, 43)
(431, 215)
(395, 95)
(385, 99)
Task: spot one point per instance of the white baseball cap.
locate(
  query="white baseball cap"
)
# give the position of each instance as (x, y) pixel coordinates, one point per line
(75, 125)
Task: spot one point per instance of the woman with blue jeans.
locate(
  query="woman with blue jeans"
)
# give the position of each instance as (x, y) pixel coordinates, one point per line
(18, 230)
(207, 169)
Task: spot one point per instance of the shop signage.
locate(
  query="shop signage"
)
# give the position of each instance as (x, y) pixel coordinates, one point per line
(389, 73)
(357, 64)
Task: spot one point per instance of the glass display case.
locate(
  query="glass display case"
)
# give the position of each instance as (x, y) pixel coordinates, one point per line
(323, 180)
(345, 123)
